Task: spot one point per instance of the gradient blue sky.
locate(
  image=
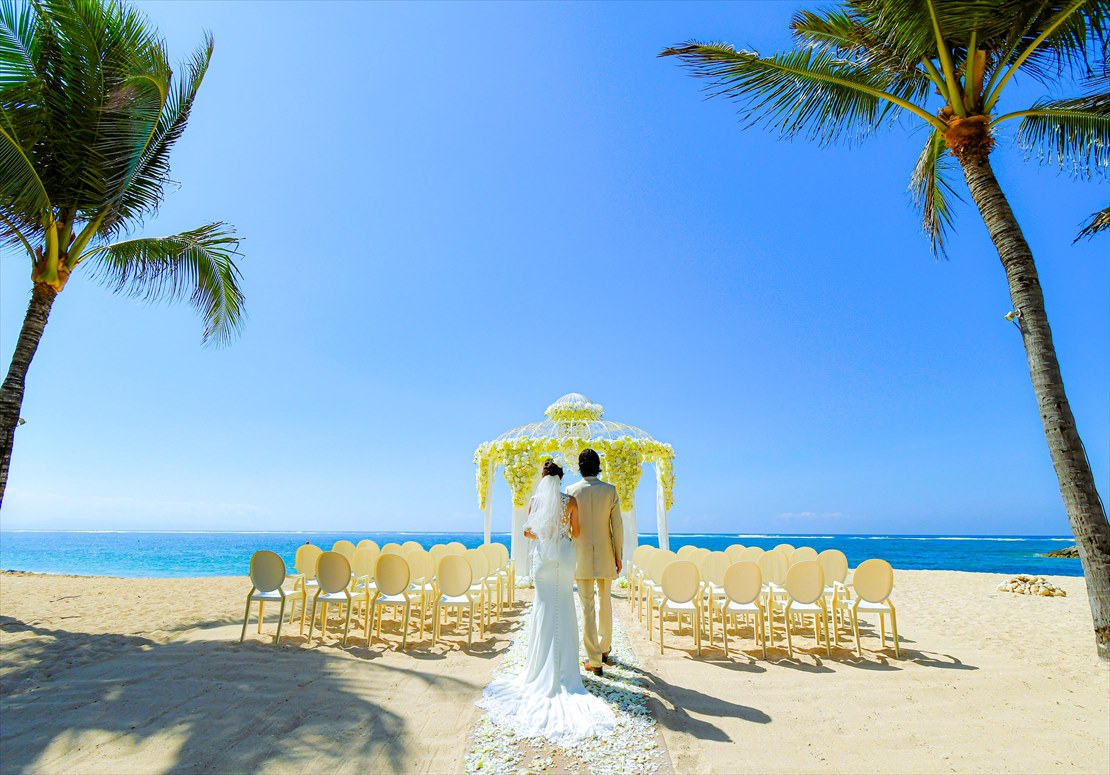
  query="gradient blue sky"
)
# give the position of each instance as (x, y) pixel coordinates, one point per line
(456, 213)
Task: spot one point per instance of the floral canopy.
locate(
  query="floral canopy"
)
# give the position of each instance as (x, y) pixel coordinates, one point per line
(574, 423)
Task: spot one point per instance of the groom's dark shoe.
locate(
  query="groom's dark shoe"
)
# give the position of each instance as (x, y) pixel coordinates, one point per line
(591, 669)
(606, 658)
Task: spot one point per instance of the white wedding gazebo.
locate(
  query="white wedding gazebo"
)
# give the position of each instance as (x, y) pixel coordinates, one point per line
(574, 423)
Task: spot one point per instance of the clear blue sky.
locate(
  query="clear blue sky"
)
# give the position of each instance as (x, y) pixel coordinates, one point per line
(456, 213)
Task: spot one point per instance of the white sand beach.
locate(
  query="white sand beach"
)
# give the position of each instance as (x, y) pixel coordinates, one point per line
(146, 676)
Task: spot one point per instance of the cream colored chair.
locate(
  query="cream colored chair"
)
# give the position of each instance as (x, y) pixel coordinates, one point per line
(479, 569)
(681, 585)
(366, 543)
(494, 573)
(635, 567)
(267, 575)
(422, 568)
(805, 589)
(685, 551)
(712, 570)
(750, 554)
(392, 548)
(641, 577)
(699, 554)
(394, 580)
(304, 580)
(456, 547)
(835, 565)
(438, 552)
(344, 547)
(363, 562)
(803, 554)
(743, 585)
(408, 546)
(734, 551)
(773, 566)
(333, 572)
(455, 582)
(507, 572)
(654, 587)
(873, 582)
(787, 548)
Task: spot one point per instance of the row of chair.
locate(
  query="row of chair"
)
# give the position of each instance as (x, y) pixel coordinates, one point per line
(369, 579)
(794, 582)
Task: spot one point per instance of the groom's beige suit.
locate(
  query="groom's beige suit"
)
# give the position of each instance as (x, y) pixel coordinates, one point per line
(598, 548)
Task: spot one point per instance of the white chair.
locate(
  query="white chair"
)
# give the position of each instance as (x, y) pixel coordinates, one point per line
(333, 572)
(681, 585)
(805, 588)
(480, 583)
(267, 575)
(304, 580)
(394, 580)
(743, 585)
(712, 569)
(835, 565)
(773, 566)
(455, 582)
(363, 562)
(422, 569)
(873, 582)
(653, 588)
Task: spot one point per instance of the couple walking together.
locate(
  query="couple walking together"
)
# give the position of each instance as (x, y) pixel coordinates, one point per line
(577, 536)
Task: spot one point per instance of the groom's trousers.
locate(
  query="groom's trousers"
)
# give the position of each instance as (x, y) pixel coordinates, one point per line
(597, 625)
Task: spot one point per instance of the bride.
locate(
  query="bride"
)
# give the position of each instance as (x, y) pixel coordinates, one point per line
(548, 698)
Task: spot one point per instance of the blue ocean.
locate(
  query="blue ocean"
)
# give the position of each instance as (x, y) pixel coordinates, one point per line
(173, 554)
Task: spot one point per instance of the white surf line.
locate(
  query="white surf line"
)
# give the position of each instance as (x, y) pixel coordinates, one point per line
(632, 747)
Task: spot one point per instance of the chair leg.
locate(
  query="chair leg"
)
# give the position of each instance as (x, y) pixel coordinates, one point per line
(347, 624)
(762, 631)
(246, 616)
(789, 639)
(661, 614)
(312, 619)
(855, 629)
(324, 623)
(882, 630)
(260, 604)
(281, 618)
(697, 631)
(894, 630)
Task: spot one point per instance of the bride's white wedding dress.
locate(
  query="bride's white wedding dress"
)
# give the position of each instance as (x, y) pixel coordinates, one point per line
(548, 699)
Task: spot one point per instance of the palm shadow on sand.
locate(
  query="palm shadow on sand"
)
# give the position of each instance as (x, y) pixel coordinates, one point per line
(251, 706)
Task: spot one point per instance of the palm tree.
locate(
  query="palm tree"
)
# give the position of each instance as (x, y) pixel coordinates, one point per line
(857, 66)
(89, 110)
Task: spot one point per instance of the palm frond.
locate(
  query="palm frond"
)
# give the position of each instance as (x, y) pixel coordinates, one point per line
(18, 47)
(1099, 222)
(932, 191)
(803, 92)
(1073, 134)
(23, 196)
(197, 264)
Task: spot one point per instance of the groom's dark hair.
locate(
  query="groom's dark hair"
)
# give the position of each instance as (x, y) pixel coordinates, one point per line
(589, 464)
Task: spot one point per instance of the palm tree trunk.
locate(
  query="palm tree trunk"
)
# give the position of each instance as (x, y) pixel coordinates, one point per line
(11, 393)
(1084, 507)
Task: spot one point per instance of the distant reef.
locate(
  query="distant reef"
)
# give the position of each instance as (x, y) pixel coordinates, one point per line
(1067, 551)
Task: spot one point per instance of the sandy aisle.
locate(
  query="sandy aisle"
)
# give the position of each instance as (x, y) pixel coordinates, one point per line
(997, 683)
(141, 675)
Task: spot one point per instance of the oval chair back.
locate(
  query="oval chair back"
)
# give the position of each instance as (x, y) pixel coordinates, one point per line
(805, 582)
(493, 557)
(835, 565)
(267, 571)
(408, 546)
(713, 568)
(750, 554)
(363, 562)
(392, 574)
(874, 580)
(392, 548)
(366, 543)
(479, 565)
(639, 555)
(685, 551)
(306, 559)
(788, 548)
(733, 552)
(438, 552)
(333, 572)
(456, 547)
(681, 581)
(454, 575)
(803, 554)
(344, 547)
(422, 567)
(699, 554)
(743, 582)
(504, 552)
(658, 564)
(773, 566)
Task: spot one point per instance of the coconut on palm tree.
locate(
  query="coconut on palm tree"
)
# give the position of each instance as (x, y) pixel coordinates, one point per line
(949, 64)
(89, 110)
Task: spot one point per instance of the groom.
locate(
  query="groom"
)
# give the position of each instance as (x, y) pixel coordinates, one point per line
(599, 547)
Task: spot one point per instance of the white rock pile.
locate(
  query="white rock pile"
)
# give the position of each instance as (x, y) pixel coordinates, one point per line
(1031, 585)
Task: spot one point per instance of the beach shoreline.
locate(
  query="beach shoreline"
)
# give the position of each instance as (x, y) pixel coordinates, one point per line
(104, 674)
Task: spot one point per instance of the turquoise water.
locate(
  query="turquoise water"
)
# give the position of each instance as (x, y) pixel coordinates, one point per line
(169, 554)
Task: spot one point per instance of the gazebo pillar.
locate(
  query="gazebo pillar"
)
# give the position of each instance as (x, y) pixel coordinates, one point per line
(489, 503)
(661, 509)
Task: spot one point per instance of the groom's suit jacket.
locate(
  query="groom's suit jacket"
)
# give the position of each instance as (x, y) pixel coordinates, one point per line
(600, 540)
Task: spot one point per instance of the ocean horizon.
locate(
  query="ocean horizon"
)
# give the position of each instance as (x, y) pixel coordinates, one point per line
(199, 553)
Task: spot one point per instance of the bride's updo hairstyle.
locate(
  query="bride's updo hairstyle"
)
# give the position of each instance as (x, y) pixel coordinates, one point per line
(551, 468)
